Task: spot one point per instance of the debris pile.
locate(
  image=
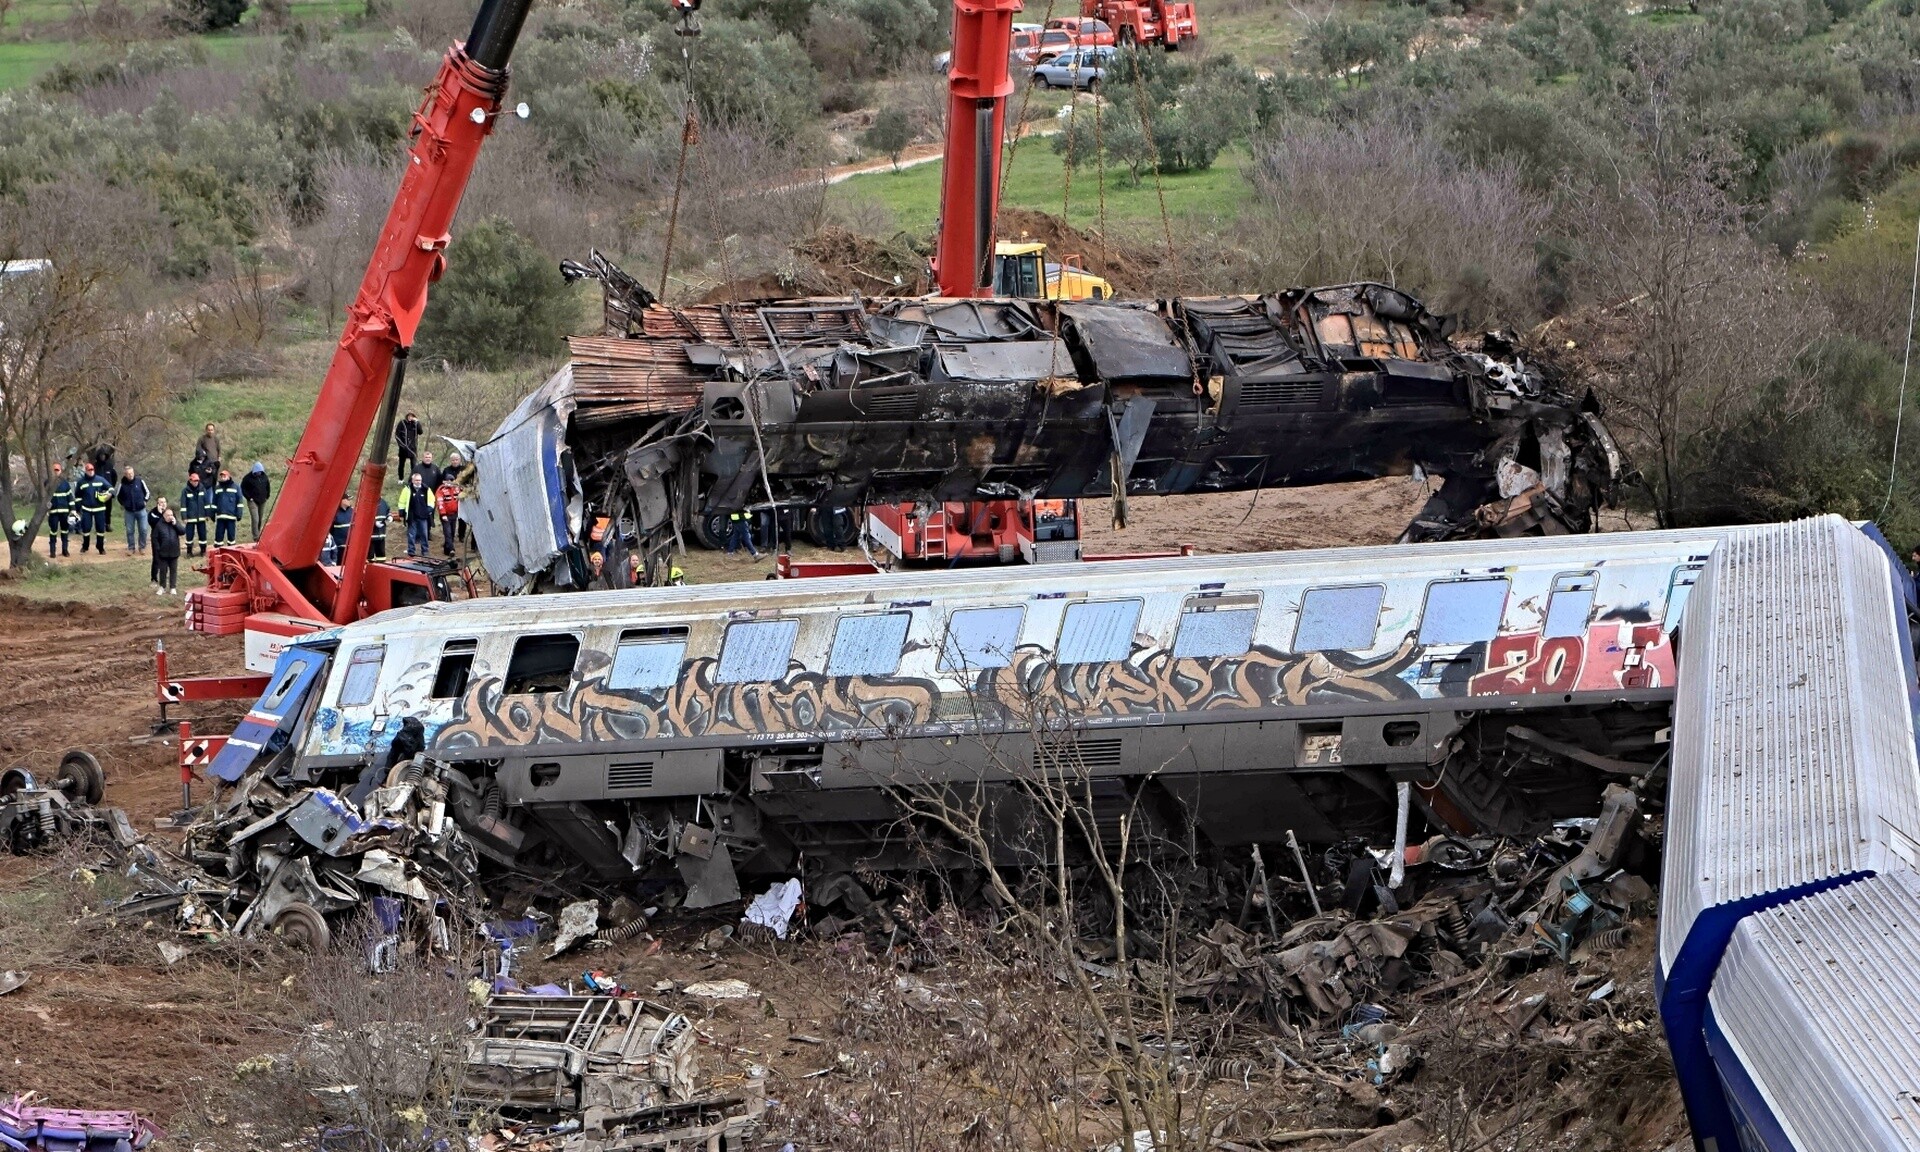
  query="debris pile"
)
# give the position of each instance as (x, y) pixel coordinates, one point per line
(29, 1127)
(625, 1067)
(403, 842)
(33, 817)
(1485, 905)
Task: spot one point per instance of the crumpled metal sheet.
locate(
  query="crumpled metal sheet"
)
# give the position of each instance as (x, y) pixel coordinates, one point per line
(1123, 345)
(525, 510)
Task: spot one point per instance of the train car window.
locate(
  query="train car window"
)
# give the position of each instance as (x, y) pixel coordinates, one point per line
(980, 638)
(1570, 606)
(868, 645)
(456, 668)
(363, 675)
(648, 659)
(1678, 591)
(1463, 611)
(1097, 631)
(1216, 625)
(542, 663)
(1346, 619)
(756, 650)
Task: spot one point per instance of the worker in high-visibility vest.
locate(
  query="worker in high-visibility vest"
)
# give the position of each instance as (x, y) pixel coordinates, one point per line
(740, 534)
(94, 493)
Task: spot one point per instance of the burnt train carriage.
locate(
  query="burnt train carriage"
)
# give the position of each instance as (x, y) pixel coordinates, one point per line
(1234, 696)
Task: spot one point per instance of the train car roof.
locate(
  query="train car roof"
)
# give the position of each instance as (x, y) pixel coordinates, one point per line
(1117, 577)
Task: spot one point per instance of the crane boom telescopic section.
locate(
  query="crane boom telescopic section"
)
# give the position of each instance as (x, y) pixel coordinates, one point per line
(282, 573)
(978, 84)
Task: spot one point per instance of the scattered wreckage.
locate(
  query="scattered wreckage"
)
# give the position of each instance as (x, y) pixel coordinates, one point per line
(33, 817)
(710, 736)
(27, 1126)
(681, 415)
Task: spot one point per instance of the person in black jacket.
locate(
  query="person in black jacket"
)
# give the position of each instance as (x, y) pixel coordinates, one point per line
(257, 489)
(166, 552)
(406, 438)
(133, 498)
(382, 516)
(417, 504)
(336, 546)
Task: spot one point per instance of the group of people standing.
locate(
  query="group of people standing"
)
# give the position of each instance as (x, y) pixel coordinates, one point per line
(430, 493)
(82, 505)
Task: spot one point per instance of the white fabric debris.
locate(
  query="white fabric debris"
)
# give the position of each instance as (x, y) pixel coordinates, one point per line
(578, 921)
(774, 908)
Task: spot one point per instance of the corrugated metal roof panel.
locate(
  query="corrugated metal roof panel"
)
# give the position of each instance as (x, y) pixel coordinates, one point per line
(616, 379)
(1793, 755)
(1818, 1001)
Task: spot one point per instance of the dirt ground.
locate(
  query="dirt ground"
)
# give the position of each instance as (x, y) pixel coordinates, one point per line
(105, 1021)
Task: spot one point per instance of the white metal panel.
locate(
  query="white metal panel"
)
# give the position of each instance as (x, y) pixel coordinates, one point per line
(1817, 998)
(1793, 755)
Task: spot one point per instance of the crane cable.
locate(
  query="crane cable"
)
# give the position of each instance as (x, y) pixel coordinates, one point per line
(689, 134)
(1153, 146)
(1906, 362)
(1013, 146)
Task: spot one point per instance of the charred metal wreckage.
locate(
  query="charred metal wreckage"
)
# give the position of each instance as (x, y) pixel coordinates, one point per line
(679, 415)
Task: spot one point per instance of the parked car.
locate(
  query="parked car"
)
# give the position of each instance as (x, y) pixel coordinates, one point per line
(1086, 31)
(1076, 68)
(1023, 48)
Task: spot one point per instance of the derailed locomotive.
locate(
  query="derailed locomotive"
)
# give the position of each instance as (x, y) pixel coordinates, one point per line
(681, 415)
(767, 728)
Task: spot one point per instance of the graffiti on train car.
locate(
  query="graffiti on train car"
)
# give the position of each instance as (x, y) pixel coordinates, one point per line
(1151, 681)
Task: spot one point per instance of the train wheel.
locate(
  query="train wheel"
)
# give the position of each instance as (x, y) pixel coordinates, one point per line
(834, 528)
(710, 530)
(301, 925)
(81, 777)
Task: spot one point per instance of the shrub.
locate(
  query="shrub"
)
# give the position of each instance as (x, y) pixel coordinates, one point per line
(890, 133)
(204, 15)
(501, 300)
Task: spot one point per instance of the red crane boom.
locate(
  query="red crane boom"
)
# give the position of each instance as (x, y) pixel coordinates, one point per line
(978, 84)
(282, 573)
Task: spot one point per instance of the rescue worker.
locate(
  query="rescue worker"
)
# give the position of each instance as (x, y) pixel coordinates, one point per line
(382, 516)
(226, 500)
(337, 535)
(256, 488)
(406, 439)
(195, 508)
(133, 498)
(103, 466)
(739, 533)
(165, 567)
(676, 576)
(416, 507)
(60, 512)
(94, 493)
(461, 474)
(446, 503)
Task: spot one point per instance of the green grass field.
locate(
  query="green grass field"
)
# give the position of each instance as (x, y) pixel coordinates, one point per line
(30, 43)
(1036, 179)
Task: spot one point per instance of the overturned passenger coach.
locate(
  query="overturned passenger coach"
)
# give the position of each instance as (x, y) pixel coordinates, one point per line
(1234, 698)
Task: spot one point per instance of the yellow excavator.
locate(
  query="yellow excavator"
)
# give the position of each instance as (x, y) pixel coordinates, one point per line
(1021, 268)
